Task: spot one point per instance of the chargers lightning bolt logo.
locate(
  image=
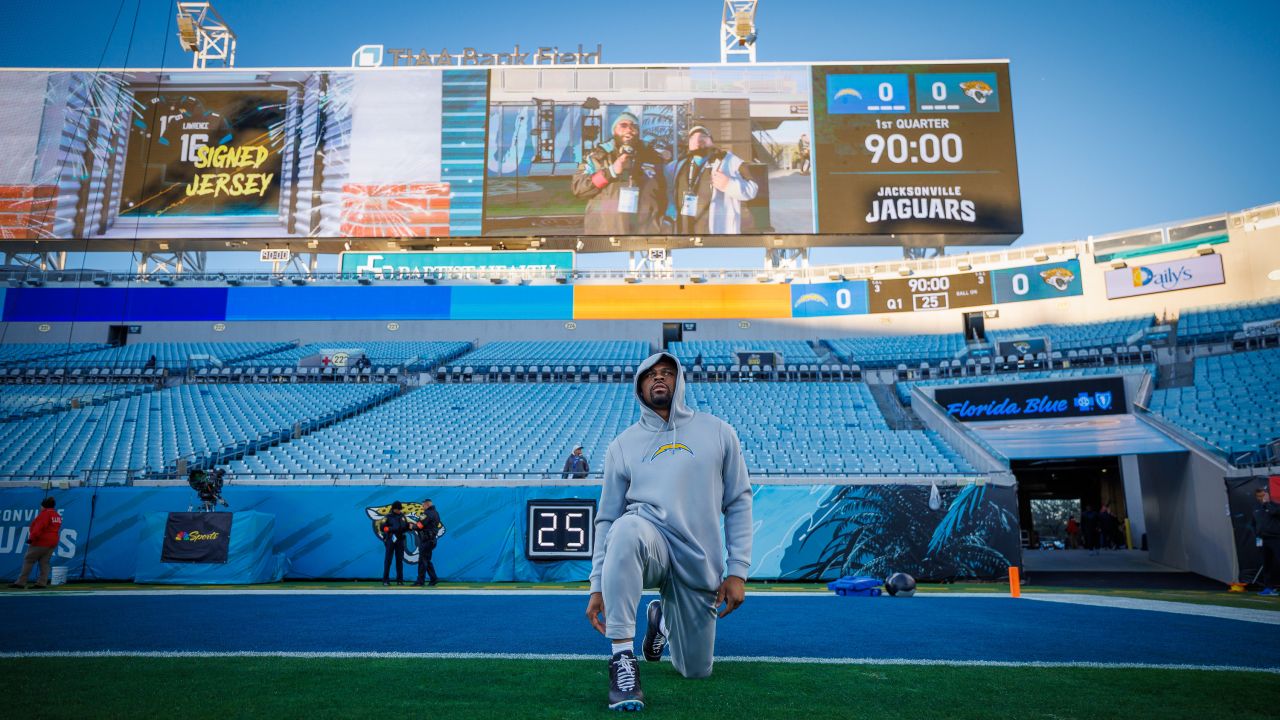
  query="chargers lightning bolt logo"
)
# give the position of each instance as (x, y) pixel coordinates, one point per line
(671, 447)
(811, 297)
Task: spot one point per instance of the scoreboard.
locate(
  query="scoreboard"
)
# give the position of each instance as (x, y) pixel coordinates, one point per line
(941, 292)
(916, 149)
(959, 290)
(559, 529)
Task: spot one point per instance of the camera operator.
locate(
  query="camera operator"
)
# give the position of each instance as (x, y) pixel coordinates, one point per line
(708, 186)
(622, 181)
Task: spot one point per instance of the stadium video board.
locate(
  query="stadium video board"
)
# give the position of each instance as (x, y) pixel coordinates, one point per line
(915, 150)
(972, 289)
(823, 154)
(203, 153)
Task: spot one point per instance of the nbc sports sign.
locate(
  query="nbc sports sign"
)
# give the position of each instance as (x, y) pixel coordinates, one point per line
(1165, 277)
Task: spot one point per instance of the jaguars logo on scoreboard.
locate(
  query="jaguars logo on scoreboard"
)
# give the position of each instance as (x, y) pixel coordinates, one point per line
(1037, 282)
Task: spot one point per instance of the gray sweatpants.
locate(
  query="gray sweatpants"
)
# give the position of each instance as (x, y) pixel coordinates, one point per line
(637, 557)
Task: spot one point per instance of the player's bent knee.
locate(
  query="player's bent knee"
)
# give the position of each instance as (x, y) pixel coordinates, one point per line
(626, 530)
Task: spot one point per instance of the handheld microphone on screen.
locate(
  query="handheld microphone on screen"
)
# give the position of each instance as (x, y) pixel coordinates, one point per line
(626, 150)
(706, 156)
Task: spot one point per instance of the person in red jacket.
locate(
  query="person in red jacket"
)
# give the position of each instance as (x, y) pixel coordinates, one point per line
(43, 539)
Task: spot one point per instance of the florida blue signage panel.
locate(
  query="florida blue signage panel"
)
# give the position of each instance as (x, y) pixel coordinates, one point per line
(1084, 397)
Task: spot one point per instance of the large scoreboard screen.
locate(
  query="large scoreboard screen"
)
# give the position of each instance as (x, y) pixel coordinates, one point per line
(916, 149)
(896, 153)
(941, 292)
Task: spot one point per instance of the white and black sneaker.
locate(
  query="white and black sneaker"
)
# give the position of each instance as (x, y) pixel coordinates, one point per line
(654, 638)
(624, 682)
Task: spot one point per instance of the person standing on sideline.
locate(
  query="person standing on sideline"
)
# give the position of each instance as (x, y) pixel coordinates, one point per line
(429, 528)
(394, 526)
(42, 539)
(1266, 526)
(1073, 533)
(576, 466)
(1089, 523)
(669, 479)
(1109, 528)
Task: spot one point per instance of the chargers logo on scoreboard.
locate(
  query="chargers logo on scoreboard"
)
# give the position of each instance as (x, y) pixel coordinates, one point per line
(867, 94)
(830, 298)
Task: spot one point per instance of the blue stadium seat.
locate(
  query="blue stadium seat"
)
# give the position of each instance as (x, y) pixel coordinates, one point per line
(1233, 407)
(496, 430)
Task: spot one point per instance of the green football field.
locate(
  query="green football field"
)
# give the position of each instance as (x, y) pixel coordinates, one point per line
(229, 687)
(321, 650)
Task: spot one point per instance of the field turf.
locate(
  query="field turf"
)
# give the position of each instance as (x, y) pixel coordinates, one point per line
(223, 687)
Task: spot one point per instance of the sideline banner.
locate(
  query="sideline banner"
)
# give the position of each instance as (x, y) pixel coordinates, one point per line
(802, 532)
(248, 557)
(196, 537)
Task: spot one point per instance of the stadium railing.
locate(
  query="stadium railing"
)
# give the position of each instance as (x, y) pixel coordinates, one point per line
(100, 477)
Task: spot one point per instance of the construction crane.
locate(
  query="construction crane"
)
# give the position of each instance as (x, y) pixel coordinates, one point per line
(738, 31)
(203, 32)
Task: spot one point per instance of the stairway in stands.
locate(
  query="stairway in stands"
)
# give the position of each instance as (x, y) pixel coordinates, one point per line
(897, 416)
(1175, 366)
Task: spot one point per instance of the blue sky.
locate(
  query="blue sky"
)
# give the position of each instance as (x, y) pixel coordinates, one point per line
(1127, 113)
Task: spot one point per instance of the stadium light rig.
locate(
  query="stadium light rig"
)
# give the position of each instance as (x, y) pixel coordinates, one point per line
(738, 30)
(203, 32)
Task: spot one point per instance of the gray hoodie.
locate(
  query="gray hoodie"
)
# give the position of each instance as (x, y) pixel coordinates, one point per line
(681, 475)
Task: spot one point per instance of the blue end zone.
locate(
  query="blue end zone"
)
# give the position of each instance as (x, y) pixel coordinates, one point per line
(939, 629)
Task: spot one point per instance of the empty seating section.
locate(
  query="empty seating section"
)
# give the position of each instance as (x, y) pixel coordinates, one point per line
(16, 354)
(822, 428)
(498, 429)
(458, 429)
(724, 352)
(889, 350)
(21, 400)
(1075, 336)
(1234, 404)
(1219, 322)
(552, 353)
(904, 388)
(150, 431)
(170, 356)
(420, 355)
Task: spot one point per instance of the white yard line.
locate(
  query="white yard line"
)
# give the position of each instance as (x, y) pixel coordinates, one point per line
(1268, 617)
